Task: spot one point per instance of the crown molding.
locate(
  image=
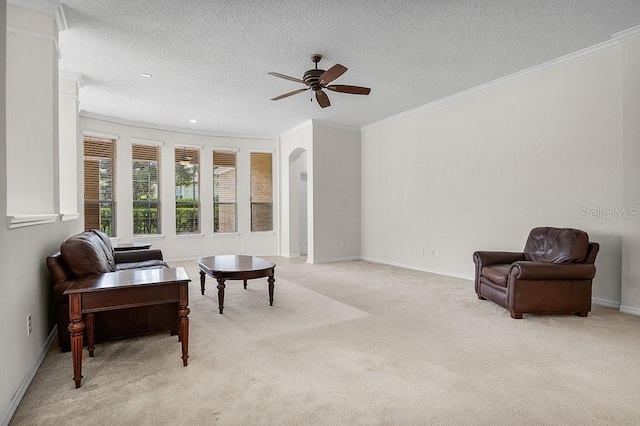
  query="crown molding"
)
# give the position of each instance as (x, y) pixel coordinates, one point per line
(563, 60)
(130, 123)
(54, 8)
(296, 128)
(313, 122)
(627, 34)
(335, 125)
(61, 19)
(73, 76)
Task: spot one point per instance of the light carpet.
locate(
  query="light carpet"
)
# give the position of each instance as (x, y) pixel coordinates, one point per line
(353, 343)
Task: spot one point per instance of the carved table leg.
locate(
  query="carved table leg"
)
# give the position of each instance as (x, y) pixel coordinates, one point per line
(91, 334)
(202, 276)
(76, 328)
(271, 281)
(245, 284)
(183, 314)
(220, 294)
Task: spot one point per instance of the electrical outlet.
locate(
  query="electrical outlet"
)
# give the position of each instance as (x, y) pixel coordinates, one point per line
(341, 244)
(243, 241)
(29, 325)
(420, 251)
(433, 252)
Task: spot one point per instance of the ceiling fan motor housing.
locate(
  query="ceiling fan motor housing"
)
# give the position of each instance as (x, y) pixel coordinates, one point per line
(312, 79)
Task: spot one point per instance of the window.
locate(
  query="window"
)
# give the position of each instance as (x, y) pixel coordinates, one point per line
(146, 189)
(224, 191)
(187, 161)
(100, 184)
(261, 192)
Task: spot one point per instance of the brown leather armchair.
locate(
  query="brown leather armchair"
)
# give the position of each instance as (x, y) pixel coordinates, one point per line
(553, 274)
(89, 253)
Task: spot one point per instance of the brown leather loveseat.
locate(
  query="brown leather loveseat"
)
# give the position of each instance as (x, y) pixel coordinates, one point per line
(91, 252)
(552, 275)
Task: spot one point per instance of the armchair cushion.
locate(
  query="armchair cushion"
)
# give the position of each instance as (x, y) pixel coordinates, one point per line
(498, 274)
(556, 245)
(145, 264)
(87, 253)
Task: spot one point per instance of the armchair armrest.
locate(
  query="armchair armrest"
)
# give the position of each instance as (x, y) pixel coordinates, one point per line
(131, 256)
(486, 258)
(525, 270)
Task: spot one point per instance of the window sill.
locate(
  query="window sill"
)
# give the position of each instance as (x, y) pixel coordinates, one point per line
(263, 232)
(226, 234)
(186, 236)
(18, 221)
(148, 237)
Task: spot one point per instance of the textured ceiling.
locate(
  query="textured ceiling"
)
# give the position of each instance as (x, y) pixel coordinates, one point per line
(209, 59)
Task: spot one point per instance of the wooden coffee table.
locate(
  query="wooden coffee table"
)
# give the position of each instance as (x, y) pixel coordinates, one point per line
(125, 289)
(236, 267)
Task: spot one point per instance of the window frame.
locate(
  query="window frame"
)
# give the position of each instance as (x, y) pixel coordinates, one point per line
(149, 203)
(178, 151)
(272, 191)
(100, 202)
(235, 203)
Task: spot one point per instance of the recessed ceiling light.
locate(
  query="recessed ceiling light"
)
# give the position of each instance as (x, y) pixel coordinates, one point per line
(145, 74)
(193, 120)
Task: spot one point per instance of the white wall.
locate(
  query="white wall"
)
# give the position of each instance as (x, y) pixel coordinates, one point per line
(478, 172)
(25, 281)
(336, 193)
(189, 246)
(631, 183)
(294, 140)
(31, 92)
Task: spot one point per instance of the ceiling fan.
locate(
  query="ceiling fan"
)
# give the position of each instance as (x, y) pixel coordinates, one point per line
(317, 79)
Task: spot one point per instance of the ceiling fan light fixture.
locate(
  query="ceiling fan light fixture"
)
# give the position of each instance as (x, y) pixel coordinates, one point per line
(185, 159)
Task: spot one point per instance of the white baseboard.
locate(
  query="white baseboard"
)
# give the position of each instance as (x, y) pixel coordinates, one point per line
(418, 268)
(26, 381)
(630, 310)
(605, 302)
(336, 259)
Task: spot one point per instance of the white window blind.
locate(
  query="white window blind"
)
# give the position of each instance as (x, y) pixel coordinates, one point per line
(224, 191)
(261, 192)
(100, 184)
(187, 192)
(146, 189)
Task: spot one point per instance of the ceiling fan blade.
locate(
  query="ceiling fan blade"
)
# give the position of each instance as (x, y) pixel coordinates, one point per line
(286, 77)
(322, 98)
(286, 95)
(354, 90)
(332, 73)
